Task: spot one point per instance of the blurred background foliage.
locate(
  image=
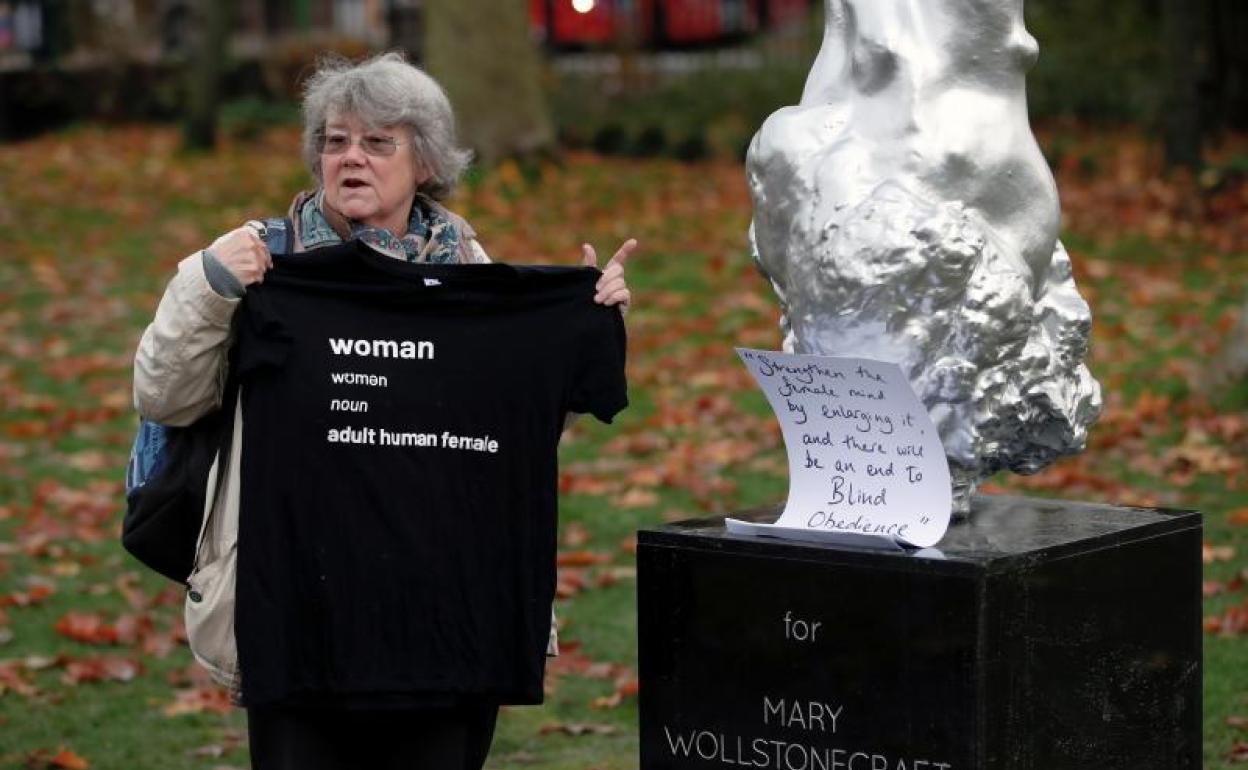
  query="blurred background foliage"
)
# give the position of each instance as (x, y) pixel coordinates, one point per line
(1099, 60)
(619, 88)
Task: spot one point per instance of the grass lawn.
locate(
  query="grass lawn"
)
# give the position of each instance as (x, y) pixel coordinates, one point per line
(93, 220)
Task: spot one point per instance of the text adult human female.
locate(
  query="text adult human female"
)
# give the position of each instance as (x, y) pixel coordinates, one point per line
(379, 138)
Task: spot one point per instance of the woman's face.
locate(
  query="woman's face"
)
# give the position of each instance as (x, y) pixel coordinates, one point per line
(365, 184)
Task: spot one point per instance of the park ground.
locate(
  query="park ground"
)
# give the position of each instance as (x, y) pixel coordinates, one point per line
(94, 671)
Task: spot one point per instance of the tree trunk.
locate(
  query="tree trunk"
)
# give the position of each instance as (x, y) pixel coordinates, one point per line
(484, 55)
(1229, 63)
(1181, 118)
(205, 69)
(405, 20)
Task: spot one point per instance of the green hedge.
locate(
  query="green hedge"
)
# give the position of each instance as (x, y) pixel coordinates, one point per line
(1100, 60)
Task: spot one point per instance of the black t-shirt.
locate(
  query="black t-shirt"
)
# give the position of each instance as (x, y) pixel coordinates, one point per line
(398, 503)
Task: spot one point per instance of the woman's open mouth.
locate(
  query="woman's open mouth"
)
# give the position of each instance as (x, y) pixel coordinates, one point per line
(354, 183)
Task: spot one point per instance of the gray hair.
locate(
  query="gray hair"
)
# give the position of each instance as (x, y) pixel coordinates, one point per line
(386, 91)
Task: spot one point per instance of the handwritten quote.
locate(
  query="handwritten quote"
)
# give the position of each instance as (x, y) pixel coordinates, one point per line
(865, 459)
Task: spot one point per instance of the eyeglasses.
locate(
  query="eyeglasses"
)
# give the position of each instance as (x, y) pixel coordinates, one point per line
(372, 144)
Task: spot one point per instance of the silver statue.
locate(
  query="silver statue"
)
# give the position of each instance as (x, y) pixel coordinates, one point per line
(903, 211)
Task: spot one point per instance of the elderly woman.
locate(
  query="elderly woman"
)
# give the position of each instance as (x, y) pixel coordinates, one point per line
(379, 139)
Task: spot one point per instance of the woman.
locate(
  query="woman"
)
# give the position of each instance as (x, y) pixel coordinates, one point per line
(379, 138)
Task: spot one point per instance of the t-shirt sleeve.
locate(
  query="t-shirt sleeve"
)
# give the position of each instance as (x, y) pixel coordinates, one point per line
(263, 340)
(599, 386)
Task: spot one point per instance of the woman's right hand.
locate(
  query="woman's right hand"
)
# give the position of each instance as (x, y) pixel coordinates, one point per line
(244, 254)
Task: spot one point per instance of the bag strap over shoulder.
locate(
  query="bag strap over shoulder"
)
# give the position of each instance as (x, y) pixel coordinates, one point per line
(278, 232)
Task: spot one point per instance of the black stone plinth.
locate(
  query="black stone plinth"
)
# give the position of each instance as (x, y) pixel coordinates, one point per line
(1044, 635)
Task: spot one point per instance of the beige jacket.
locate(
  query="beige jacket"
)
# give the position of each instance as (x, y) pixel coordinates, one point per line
(179, 376)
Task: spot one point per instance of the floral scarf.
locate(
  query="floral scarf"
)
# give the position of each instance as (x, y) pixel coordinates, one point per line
(433, 233)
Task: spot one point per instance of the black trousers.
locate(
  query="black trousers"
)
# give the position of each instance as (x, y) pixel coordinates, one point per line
(399, 739)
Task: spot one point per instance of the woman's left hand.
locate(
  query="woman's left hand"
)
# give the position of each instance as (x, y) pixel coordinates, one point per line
(611, 288)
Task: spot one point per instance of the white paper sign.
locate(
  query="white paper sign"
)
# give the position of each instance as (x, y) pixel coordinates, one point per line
(866, 465)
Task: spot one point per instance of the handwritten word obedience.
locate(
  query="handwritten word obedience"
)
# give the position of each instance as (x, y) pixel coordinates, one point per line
(383, 437)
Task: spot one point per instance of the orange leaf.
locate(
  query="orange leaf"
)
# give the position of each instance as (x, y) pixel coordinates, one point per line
(606, 701)
(575, 535)
(12, 677)
(1239, 752)
(100, 668)
(570, 582)
(197, 700)
(35, 595)
(1209, 553)
(626, 687)
(1233, 622)
(581, 558)
(571, 661)
(68, 760)
(636, 497)
(86, 627)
